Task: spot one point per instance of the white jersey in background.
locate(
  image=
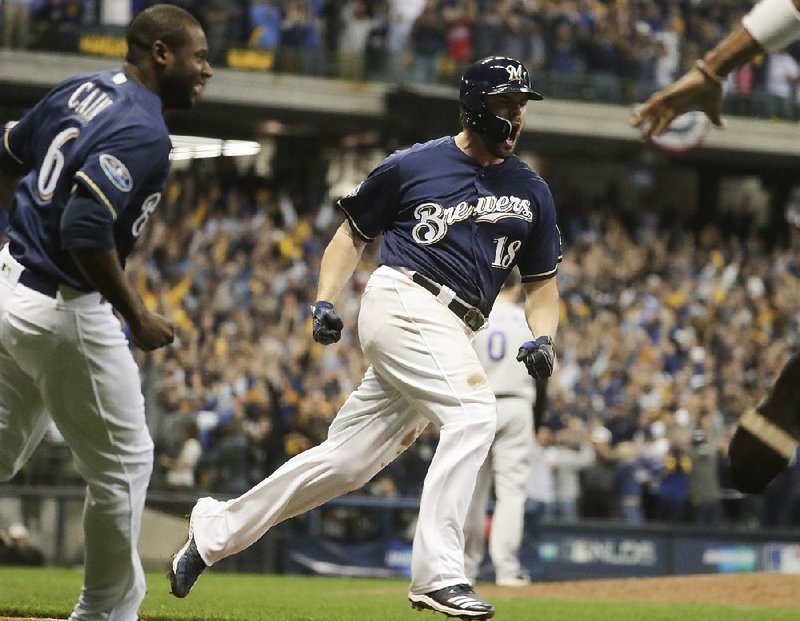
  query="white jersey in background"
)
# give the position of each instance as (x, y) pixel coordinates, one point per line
(508, 462)
(497, 350)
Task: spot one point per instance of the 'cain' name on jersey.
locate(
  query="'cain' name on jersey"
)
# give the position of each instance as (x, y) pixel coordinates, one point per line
(88, 101)
(434, 219)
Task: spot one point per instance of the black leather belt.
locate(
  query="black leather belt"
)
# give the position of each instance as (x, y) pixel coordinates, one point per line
(32, 280)
(466, 313)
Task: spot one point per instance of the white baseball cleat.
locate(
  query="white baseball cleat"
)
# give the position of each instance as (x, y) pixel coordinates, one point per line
(520, 580)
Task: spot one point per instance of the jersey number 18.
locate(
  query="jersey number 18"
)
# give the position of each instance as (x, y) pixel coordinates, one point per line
(505, 254)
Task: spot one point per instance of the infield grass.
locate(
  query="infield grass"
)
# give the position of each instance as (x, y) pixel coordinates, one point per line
(239, 597)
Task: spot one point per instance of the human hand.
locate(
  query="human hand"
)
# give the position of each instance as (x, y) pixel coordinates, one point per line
(538, 357)
(152, 331)
(694, 91)
(327, 326)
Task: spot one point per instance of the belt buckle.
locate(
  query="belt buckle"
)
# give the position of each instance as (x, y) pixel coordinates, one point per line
(474, 319)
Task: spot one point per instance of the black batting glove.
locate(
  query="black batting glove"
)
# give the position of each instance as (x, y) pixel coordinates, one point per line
(327, 324)
(538, 357)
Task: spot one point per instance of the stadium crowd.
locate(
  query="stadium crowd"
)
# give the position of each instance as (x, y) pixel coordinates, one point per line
(668, 336)
(597, 50)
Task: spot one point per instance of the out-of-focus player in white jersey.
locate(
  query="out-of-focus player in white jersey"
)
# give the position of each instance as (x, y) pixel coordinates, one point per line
(508, 463)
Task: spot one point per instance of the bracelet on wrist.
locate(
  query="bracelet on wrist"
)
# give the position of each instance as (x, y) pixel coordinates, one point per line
(707, 72)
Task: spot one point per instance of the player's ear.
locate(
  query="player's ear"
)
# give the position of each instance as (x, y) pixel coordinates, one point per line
(160, 53)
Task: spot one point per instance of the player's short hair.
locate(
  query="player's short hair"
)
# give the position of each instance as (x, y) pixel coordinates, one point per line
(161, 22)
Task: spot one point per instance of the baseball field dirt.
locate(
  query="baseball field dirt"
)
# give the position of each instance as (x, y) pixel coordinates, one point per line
(761, 590)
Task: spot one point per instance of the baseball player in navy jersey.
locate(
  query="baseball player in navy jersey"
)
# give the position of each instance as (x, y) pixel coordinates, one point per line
(88, 164)
(508, 463)
(767, 437)
(453, 215)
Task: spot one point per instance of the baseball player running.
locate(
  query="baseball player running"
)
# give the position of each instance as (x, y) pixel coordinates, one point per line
(454, 216)
(88, 164)
(508, 463)
(767, 437)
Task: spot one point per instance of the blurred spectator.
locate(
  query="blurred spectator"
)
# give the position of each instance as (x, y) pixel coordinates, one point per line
(604, 62)
(356, 28)
(402, 14)
(783, 73)
(301, 41)
(540, 489)
(218, 18)
(265, 24)
(704, 486)
(17, 23)
(428, 43)
(376, 48)
(564, 58)
(570, 455)
(599, 488)
(16, 548)
(515, 34)
(673, 489)
(632, 473)
(487, 32)
(459, 17)
(180, 470)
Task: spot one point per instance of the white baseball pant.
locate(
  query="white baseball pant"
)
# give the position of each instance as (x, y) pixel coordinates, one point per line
(508, 466)
(67, 357)
(423, 368)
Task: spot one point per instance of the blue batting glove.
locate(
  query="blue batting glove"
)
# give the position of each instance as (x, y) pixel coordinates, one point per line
(327, 326)
(538, 357)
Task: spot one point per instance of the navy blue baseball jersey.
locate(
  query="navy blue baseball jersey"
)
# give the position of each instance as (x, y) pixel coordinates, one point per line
(461, 224)
(102, 135)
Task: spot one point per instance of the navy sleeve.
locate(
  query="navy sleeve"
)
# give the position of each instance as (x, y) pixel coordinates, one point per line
(86, 222)
(372, 207)
(14, 158)
(124, 160)
(542, 252)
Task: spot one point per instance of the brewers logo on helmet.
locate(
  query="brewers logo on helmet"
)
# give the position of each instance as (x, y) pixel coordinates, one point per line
(492, 76)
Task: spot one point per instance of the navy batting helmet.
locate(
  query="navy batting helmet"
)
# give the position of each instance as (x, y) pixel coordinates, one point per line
(492, 76)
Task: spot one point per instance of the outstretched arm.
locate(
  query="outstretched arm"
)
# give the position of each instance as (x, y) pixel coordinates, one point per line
(770, 25)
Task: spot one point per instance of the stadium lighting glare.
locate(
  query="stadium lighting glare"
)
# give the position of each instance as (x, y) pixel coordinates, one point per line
(196, 147)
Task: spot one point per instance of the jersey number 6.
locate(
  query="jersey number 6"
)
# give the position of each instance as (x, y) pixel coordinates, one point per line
(53, 163)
